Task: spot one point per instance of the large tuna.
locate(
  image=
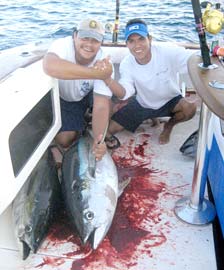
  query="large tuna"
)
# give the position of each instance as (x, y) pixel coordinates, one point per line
(90, 190)
(33, 207)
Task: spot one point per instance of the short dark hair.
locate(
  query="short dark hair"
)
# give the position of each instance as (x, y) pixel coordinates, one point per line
(136, 20)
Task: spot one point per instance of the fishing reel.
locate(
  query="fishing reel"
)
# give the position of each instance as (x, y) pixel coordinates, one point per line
(213, 19)
(213, 22)
(112, 29)
(109, 27)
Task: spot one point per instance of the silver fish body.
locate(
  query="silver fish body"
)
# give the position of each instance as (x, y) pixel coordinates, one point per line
(90, 190)
(34, 206)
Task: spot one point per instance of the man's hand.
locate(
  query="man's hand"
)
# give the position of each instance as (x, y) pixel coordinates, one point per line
(99, 148)
(103, 68)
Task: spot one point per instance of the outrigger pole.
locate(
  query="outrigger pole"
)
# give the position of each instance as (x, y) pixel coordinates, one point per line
(201, 33)
(116, 24)
(196, 209)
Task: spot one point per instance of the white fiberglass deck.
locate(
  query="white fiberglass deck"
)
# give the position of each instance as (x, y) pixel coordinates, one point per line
(145, 234)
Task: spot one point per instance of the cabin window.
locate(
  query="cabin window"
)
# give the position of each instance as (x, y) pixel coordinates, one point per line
(28, 134)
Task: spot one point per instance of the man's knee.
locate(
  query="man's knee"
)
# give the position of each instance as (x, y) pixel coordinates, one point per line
(114, 127)
(191, 110)
(66, 138)
(185, 110)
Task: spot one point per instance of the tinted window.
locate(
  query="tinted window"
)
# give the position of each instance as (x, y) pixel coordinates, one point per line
(28, 134)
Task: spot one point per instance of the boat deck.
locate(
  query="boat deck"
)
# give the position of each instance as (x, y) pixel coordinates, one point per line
(145, 234)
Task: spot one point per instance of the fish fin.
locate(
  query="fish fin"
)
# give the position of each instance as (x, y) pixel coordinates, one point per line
(25, 250)
(122, 185)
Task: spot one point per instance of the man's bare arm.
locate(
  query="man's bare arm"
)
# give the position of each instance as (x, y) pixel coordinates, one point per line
(116, 88)
(59, 68)
(101, 111)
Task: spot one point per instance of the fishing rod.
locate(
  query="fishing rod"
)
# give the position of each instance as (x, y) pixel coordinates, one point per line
(116, 23)
(201, 33)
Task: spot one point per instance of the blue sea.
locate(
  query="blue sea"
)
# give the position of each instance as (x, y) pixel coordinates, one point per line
(26, 21)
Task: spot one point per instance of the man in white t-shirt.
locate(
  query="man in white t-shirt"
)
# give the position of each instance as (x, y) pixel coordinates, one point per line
(73, 60)
(148, 77)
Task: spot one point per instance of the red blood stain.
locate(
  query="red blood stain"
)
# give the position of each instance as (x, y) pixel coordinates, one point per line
(136, 225)
(139, 150)
(51, 261)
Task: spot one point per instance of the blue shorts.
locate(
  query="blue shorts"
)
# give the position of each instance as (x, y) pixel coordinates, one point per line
(72, 113)
(133, 114)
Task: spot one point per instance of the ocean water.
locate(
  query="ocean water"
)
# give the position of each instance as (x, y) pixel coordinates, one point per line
(26, 21)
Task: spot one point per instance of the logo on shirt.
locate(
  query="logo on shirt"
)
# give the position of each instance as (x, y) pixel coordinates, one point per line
(162, 72)
(85, 88)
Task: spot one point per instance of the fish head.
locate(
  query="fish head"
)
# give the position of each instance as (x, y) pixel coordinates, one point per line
(30, 234)
(37, 217)
(83, 216)
(96, 214)
(35, 229)
(26, 223)
(95, 226)
(21, 239)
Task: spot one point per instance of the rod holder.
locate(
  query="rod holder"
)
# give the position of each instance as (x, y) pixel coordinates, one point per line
(196, 209)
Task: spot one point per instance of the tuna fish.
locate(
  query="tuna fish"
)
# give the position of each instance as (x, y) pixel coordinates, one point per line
(33, 207)
(90, 190)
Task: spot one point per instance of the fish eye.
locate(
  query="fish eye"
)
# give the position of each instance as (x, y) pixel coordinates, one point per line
(28, 228)
(89, 215)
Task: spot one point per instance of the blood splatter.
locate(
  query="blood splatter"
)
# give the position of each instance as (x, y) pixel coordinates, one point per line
(51, 261)
(137, 226)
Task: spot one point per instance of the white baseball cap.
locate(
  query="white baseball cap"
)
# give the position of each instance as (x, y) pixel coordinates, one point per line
(90, 28)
